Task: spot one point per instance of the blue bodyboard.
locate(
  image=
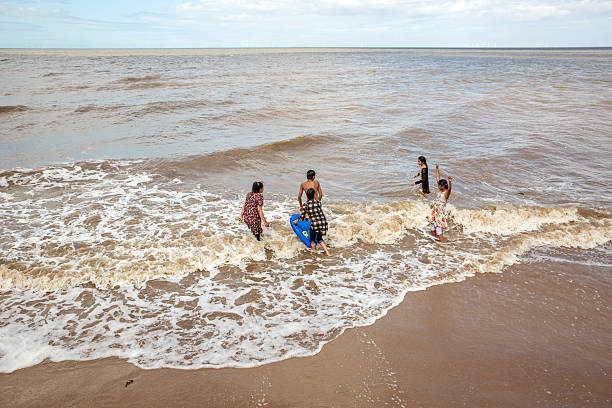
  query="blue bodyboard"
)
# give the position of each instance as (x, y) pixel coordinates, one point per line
(302, 229)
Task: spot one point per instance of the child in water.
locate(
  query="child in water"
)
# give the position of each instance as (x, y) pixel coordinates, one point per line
(438, 214)
(423, 175)
(318, 223)
(252, 210)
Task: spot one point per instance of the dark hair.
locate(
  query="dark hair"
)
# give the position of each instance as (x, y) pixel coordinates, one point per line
(310, 193)
(423, 160)
(443, 183)
(310, 174)
(257, 186)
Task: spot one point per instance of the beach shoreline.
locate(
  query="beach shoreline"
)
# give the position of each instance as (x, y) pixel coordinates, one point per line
(485, 341)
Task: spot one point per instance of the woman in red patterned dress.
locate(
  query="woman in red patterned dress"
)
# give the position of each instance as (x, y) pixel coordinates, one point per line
(252, 210)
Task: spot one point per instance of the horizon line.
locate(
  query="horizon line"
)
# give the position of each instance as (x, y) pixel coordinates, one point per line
(311, 47)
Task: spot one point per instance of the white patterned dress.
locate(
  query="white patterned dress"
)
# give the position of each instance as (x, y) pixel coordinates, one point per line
(438, 213)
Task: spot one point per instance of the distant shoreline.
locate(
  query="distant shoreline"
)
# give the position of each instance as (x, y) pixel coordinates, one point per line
(272, 50)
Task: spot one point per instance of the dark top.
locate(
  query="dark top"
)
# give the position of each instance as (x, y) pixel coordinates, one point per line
(424, 181)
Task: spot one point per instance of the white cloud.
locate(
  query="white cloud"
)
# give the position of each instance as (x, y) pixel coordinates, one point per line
(264, 22)
(534, 12)
(321, 22)
(7, 10)
(516, 10)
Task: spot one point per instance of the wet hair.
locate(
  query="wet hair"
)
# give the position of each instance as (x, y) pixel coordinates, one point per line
(443, 183)
(310, 193)
(310, 174)
(257, 186)
(423, 160)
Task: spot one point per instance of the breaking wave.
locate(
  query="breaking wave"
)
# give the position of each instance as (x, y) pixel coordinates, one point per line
(91, 251)
(118, 227)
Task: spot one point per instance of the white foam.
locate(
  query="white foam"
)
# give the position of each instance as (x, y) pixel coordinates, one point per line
(507, 220)
(178, 282)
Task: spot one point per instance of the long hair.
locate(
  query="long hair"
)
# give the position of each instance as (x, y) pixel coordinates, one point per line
(310, 193)
(423, 160)
(257, 186)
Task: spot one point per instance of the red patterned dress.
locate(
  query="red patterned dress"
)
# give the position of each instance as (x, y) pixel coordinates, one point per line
(251, 215)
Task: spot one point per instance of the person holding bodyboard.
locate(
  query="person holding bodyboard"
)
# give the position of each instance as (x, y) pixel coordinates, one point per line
(312, 211)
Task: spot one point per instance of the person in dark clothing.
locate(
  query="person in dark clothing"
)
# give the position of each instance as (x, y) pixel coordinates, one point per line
(318, 223)
(423, 175)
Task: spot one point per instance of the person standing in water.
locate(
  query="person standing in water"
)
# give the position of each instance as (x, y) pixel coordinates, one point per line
(423, 175)
(438, 213)
(308, 184)
(252, 210)
(318, 223)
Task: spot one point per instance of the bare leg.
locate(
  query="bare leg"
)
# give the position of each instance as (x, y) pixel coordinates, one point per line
(324, 247)
(441, 238)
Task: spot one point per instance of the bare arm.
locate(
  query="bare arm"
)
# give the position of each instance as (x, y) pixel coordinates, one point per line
(304, 212)
(242, 212)
(437, 172)
(300, 195)
(262, 216)
(450, 185)
(320, 191)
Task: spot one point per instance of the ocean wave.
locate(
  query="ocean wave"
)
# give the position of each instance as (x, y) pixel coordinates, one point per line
(235, 158)
(120, 227)
(243, 115)
(102, 108)
(507, 220)
(586, 235)
(141, 82)
(89, 252)
(171, 106)
(13, 108)
(145, 78)
(242, 158)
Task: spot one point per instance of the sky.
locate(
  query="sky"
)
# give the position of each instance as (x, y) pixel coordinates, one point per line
(295, 23)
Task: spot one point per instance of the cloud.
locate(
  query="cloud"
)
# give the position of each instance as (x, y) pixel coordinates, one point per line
(527, 10)
(346, 8)
(7, 10)
(535, 12)
(316, 22)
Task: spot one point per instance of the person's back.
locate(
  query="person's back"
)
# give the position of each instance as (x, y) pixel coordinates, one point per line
(308, 184)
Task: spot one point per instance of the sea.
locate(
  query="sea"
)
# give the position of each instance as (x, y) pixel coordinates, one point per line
(123, 173)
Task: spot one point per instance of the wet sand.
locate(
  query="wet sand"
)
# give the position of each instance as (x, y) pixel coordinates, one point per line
(537, 335)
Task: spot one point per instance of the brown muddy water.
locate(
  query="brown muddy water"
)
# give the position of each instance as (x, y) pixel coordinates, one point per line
(122, 174)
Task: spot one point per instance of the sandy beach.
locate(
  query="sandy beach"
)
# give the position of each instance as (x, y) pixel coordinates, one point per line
(484, 342)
